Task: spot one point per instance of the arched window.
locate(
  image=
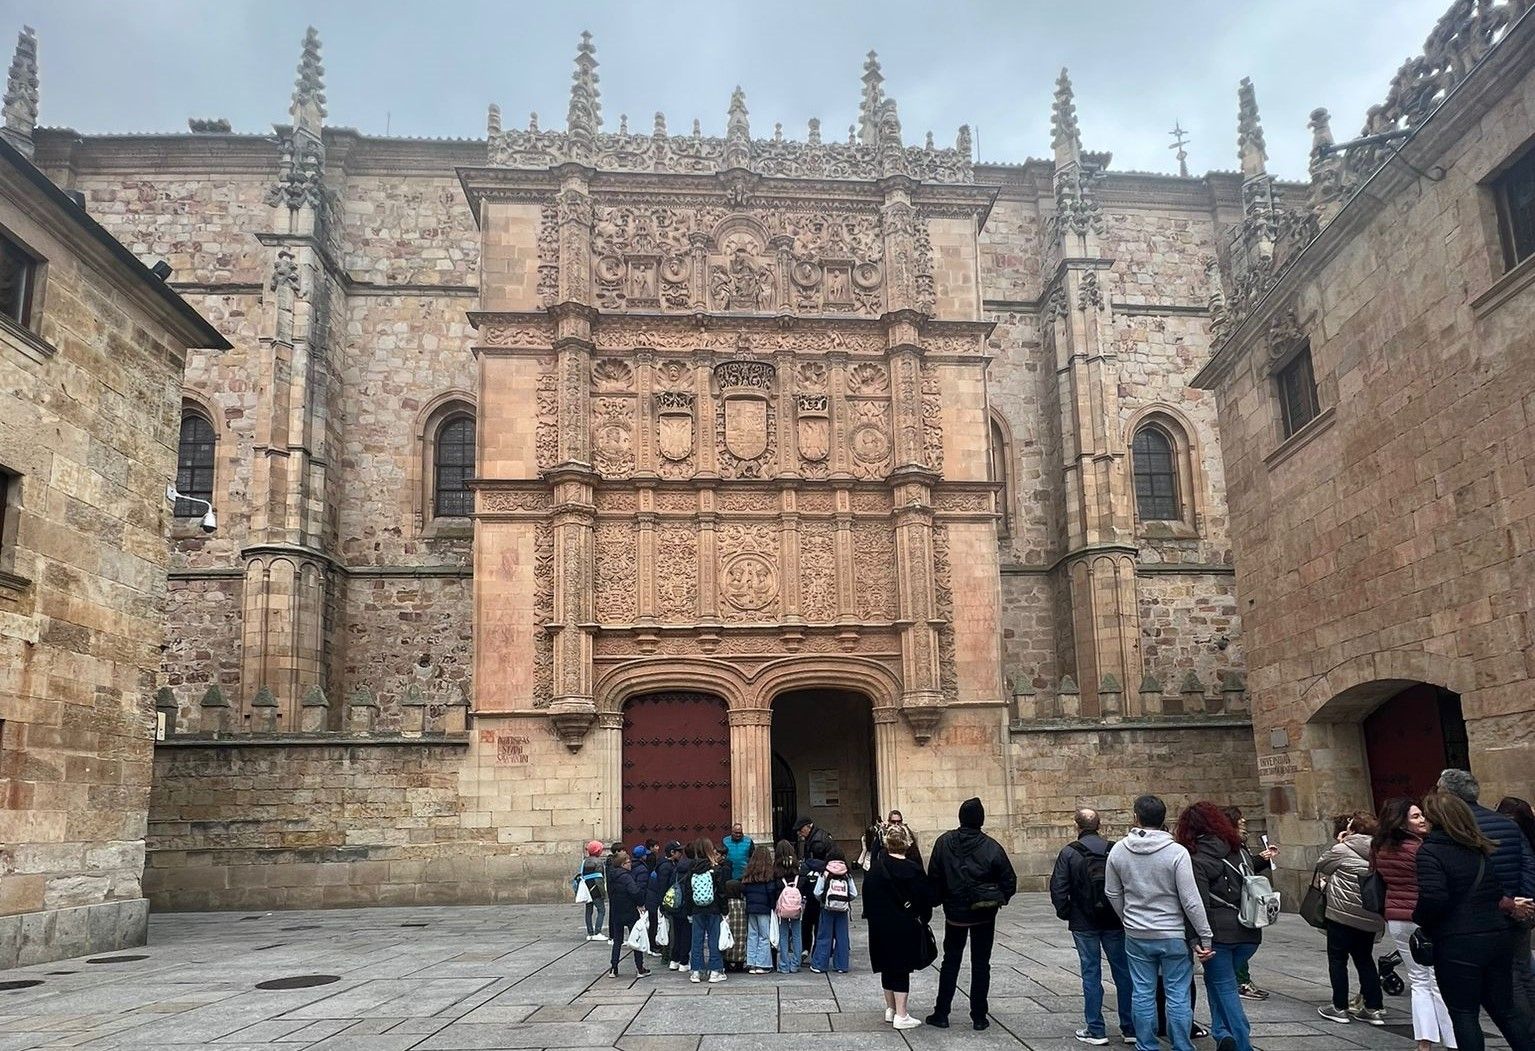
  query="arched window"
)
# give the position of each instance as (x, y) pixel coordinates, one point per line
(452, 467)
(1001, 475)
(1156, 476)
(194, 464)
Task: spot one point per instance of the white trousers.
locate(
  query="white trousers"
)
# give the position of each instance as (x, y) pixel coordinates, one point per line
(1430, 1019)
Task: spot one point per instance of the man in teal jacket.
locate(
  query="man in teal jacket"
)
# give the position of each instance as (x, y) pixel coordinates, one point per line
(738, 848)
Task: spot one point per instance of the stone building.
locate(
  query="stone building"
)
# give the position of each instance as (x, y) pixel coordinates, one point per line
(1375, 371)
(585, 482)
(91, 351)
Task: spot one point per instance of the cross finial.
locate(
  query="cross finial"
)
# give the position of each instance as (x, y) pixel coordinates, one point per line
(1065, 136)
(308, 108)
(1251, 149)
(20, 108)
(873, 96)
(1180, 140)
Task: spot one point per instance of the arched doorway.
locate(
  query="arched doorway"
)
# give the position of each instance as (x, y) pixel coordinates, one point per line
(785, 799)
(823, 762)
(1410, 738)
(676, 767)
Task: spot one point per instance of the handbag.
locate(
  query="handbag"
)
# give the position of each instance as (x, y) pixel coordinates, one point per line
(773, 930)
(1372, 893)
(927, 946)
(1421, 944)
(583, 892)
(1313, 907)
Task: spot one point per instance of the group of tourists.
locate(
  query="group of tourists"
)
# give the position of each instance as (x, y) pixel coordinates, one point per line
(791, 905)
(1448, 881)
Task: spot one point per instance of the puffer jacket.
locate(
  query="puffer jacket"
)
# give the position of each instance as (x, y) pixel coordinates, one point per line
(1514, 862)
(1218, 875)
(1451, 901)
(1344, 865)
(1398, 866)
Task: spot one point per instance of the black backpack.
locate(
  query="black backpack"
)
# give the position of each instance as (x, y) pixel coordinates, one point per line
(1098, 907)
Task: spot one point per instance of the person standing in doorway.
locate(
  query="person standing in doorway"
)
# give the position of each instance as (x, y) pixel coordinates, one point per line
(1394, 854)
(1351, 928)
(1150, 882)
(898, 903)
(973, 878)
(1462, 907)
(813, 845)
(738, 850)
(1077, 892)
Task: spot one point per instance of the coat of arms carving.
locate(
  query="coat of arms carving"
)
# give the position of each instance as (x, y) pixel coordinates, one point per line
(674, 424)
(814, 427)
(745, 387)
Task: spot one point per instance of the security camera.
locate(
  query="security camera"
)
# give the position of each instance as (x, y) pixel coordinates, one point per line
(209, 520)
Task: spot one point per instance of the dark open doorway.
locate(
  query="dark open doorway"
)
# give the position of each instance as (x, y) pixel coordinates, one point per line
(823, 763)
(1409, 739)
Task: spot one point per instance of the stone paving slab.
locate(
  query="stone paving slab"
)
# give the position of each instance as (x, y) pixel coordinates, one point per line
(483, 978)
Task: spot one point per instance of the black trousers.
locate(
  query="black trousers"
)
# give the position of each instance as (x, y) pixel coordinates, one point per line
(1346, 943)
(1475, 974)
(681, 946)
(980, 936)
(618, 933)
(651, 916)
(895, 981)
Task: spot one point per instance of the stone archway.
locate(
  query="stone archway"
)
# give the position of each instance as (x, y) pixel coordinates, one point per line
(825, 739)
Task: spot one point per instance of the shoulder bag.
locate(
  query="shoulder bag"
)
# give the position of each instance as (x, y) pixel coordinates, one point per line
(1313, 907)
(1421, 944)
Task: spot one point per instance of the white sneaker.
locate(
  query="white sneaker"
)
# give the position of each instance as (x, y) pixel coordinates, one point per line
(694, 978)
(716, 977)
(1085, 1037)
(889, 1015)
(906, 1022)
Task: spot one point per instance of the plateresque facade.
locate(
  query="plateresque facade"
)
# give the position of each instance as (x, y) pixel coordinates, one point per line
(800, 480)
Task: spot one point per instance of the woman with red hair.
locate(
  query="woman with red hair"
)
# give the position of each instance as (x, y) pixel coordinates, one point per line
(1220, 864)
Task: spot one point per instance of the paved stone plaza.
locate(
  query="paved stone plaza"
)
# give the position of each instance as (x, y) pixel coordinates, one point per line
(441, 979)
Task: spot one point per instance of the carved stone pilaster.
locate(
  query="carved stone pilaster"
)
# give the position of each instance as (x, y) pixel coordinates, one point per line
(573, 216)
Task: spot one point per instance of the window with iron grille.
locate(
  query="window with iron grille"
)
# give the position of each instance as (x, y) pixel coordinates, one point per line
(1156, 476)
(1297, 393)
(18, 270)
(453, 466)
(1515, 191)
(194, 465)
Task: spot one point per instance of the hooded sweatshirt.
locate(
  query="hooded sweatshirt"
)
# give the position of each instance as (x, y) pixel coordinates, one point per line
(1149, 880)
(965, 862)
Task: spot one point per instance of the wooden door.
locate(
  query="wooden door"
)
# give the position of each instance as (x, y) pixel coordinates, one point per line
(1409, 740)
(676, 768)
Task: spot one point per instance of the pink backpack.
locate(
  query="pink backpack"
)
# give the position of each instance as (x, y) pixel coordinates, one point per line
(791, 903)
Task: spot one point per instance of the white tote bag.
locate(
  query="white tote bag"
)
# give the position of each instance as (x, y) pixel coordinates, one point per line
(639, 938)
(773, 930)
(583, 892)
(727, 940)
(663, 931)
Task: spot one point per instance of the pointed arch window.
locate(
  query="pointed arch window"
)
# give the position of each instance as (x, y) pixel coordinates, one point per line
(452, 467)
(1002, 476)
(1154, 457)
(194, 463)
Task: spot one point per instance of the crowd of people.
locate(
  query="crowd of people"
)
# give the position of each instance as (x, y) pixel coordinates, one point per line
(705, 906)
(1441, 885)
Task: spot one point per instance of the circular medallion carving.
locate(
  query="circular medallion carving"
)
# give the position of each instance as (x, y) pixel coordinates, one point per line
(610, 268)
(869, 443)
(866, 276)
(675, 270)
(806, 274)
(749, 582)
(613, 441)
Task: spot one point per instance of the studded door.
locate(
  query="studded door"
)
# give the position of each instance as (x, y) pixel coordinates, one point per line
(676, 767)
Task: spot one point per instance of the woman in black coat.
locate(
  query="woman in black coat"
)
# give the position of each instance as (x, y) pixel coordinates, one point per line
(626, 904)
(898, 903)
(1462, 908)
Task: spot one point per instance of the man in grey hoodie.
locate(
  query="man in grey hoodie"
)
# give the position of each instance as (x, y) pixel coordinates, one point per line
(1149, 880)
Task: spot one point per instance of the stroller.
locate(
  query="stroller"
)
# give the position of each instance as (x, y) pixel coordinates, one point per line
(1391, 983)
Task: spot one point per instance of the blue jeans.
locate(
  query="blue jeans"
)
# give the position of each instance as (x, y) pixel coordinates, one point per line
(790, 945)
(597, 908)
(1169, 957)
(759, 950)
(706, 942)
(1226, 1015)
(831, 941)
(1092, 946)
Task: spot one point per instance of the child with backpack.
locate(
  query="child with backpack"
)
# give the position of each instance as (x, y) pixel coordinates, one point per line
(704, 903)
(835, 892)
(789, 890)
(593, 875)
(759, 888)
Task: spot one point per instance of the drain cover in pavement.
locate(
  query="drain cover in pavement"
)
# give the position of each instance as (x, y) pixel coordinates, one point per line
(299, 981)
(117, 959)
(19, 983)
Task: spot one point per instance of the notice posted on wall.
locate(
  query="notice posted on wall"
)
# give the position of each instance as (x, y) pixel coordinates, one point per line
(825, 789)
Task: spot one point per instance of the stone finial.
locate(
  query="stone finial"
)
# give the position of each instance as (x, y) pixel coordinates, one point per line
(20, 108)
(813, 135)
(889, 124)
(493, 121)
(873, 98)
(737, 132)
(927, 142)
(777, 131)
(214, 697)
(308, 108)
(659, 128)
(623, 123)
(533, 122)
(698, 129)
(1251, 149)
(584, 118)
(963, 142)
(165, 697)
(1180, 139)
(264, 698)
(852, 135)
(1219, 318)
(1321, 131)
(1065, 135)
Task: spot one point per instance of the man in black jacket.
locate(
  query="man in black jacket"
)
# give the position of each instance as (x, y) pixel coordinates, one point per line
(1076, 891)
(973, 878)
(814, 845)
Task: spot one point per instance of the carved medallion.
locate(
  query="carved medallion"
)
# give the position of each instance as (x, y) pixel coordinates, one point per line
(746, 431)
(814, 431)
(674, 424)
(870, 444)
(749, 582)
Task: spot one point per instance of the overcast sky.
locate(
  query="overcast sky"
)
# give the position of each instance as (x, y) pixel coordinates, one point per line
(419, 68)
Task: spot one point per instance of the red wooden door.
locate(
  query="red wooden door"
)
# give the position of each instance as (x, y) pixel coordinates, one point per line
(676, 767)
(1404, 742)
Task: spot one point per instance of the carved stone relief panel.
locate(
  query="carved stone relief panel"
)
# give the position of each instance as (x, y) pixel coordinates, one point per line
(868, 426)
(676, 501)
(548, 257)
(746, 417)
(546, 438)
(749, 587)
(543, 614)
(613, 417)
(677, 574)
(614, 544)
(815, 502)
(944, 597)
(874, 570)
(818, 572)
(932, 418)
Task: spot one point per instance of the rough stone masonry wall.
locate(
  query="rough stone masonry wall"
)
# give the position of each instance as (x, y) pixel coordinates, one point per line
(90, 430)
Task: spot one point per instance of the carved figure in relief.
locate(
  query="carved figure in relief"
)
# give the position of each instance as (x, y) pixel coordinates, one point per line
(837, 290)
(749, 582)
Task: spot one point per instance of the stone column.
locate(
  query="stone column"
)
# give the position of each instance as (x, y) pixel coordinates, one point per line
(751, 771)
(610, 752)
(887, 746)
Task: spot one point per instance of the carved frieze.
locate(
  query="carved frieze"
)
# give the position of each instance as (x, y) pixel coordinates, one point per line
(543, 614)
(615, 553)
(932, 418)
(677, 573)
(493, 501)
(546, 432)
(874, 570)
(944, 609)
(818, 572)
(749, 584)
